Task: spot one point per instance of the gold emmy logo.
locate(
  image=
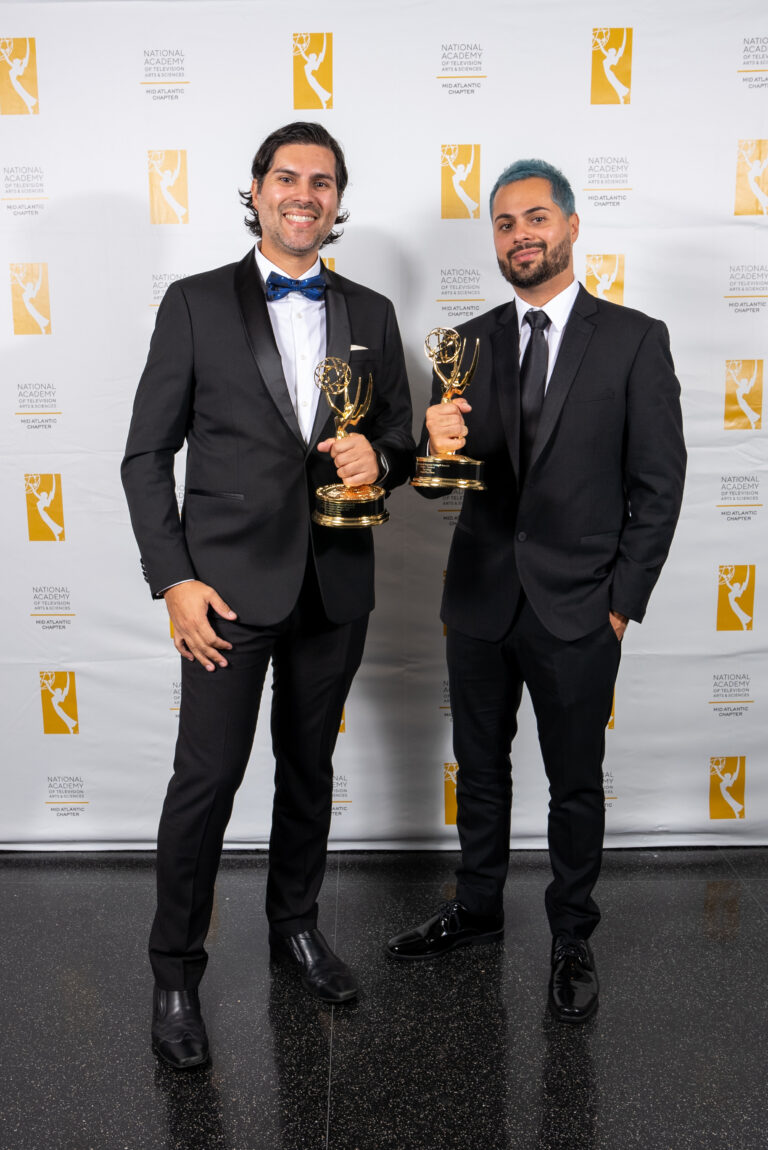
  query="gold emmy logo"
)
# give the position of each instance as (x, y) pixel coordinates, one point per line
(343, 723)
(450, 773)
(313, 70)
(168, 191)
(612, 720)
(752, 178)
(726, 786)
(30, 299)
(18, 77)
(722, 910)
(330, 263)
(460, 182)
(743, 394)
(611, 66)
(59, 699)
(605, 277)
(45, 509)
(736, 597)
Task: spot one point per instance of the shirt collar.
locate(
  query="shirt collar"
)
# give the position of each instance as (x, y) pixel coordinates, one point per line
(558, 308)
(266, 266)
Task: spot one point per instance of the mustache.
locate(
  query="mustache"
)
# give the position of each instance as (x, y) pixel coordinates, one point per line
(295, 206)
(521, 247)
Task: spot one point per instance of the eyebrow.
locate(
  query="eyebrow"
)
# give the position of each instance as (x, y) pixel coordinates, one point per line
(313, 175)
(527, 212)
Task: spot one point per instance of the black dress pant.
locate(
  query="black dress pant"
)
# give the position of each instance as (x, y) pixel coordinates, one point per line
(571, 688)
(313, 664)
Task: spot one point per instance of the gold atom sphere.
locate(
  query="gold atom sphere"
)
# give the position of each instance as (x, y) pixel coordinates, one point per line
(443, 344)
(333, 375)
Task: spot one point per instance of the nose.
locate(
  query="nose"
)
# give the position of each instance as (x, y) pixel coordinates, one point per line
(303, 190)
(520, 231)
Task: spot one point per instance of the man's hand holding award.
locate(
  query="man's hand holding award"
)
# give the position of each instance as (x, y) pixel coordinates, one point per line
(336, 504)
(445, 348)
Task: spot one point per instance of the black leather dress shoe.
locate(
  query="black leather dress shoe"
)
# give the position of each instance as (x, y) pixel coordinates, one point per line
(322, 972)
(178, 1030)
(452, 926)
(573, 987)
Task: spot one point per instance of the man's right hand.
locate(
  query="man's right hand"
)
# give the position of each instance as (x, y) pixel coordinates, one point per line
(193, 635)
(446, 426)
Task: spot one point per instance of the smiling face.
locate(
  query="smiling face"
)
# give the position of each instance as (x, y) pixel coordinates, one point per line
(298, 203)
(533, 239)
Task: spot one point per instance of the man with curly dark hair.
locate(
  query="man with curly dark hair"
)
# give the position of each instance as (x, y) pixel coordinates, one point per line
(246, 575)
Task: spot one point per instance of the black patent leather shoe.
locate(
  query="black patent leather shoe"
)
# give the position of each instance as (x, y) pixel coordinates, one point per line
(322, 973)
(452, 926)
(573, 987)
(178, 1030)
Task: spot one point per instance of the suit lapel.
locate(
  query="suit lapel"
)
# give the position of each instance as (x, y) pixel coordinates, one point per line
(578, 331)
(261, 339)
(338, 339)
(506, 373)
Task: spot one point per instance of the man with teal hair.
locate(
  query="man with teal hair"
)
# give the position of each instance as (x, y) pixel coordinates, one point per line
(576, 412)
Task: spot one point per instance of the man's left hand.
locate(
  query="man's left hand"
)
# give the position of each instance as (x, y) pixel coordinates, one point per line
(619, 623)
(356, 461)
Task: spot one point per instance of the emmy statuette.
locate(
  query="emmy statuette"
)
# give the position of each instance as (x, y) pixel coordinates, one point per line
(445, 348)
(336, 504)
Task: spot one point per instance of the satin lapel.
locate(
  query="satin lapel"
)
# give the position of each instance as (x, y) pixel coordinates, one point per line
(261, 339)
(506, 375)
(578, 332)
(338, 339)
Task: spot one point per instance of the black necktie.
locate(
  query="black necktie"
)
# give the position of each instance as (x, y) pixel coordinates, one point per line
(533, 377)
(278, 286)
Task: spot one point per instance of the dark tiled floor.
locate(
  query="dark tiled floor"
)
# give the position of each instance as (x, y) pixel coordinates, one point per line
(459, 1054)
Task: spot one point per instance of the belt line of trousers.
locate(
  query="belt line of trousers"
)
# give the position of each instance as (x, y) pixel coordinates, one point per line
(313, 664)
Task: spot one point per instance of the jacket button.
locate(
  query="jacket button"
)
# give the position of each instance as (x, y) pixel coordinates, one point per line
(521, 537)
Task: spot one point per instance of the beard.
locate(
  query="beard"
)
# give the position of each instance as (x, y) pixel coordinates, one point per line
(552, 263)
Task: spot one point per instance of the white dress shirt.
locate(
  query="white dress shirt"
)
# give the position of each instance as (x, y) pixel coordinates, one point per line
(299, 326)
(558, 309)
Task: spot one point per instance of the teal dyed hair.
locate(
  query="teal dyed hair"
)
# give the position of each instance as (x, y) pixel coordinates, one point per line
(562, 192)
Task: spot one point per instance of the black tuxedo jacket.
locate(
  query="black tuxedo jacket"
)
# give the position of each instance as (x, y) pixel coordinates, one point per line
(593, 524)
(214, 378)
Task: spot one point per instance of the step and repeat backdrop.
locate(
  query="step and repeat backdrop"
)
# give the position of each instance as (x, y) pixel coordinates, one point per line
(127, 129)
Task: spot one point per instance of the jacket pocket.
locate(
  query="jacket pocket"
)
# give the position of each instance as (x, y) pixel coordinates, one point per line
(598, 397)
(214, 494)
(600, 537)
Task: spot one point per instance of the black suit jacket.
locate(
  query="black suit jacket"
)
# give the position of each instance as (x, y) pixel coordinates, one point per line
(595, 519)
(214, 378)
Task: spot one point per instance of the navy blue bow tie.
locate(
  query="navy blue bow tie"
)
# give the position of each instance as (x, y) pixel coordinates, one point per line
(279, 286)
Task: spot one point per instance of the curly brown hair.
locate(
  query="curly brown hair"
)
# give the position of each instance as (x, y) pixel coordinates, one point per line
(299, 132)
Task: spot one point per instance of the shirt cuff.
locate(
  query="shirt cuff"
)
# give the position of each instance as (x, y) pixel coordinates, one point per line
(383, 466)
(163, 590)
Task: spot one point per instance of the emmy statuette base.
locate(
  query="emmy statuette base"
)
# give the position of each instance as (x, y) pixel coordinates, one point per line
(449, 471)
(340, 506)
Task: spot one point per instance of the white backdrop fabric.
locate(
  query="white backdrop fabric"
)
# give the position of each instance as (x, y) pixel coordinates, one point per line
(127, 129)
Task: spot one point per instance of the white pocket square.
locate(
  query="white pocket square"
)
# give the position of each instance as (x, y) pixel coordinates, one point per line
(357, 347)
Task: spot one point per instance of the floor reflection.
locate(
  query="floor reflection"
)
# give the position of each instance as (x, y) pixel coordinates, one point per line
(422, 1060)
(193, 1108)
(568, 1087)
(301, 1030)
